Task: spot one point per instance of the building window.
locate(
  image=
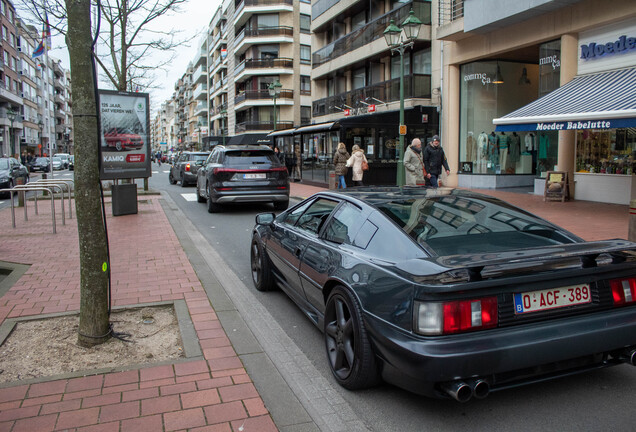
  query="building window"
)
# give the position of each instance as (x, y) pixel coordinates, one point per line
(305, 54)
(305, 85)
(305, 115)
(305, 23)
(359, 78)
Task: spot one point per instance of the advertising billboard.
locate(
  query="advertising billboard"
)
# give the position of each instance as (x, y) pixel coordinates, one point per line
(124, 136)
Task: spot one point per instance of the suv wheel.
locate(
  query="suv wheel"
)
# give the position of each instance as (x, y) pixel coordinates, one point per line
(200, 199)
(171, 179)
(212, 206)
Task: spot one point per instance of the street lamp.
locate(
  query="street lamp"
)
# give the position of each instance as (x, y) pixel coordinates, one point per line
(223, 113)
(393, 36)
(11, 116)
(274, 92)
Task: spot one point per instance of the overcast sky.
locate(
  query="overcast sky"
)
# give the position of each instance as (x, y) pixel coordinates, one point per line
(193, 21)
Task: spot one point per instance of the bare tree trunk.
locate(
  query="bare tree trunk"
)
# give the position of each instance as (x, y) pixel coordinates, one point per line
(93, 324)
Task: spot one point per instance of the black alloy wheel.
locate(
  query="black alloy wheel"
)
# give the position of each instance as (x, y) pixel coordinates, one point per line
(171, 179)
(200, 199)
(261, 267)
(349, 352)
(212, 206)
(183, 182)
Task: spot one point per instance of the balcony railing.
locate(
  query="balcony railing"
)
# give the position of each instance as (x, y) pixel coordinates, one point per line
(264, 32)
(450, 10)
(240, 4)
(262, 94)
(279, 63)
(370, 32)
(415, 86)
(261, 126)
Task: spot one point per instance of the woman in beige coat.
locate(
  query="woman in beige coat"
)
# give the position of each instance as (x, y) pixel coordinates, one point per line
(355, 161)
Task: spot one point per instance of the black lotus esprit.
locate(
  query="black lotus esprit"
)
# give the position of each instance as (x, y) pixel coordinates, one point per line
(446, 292)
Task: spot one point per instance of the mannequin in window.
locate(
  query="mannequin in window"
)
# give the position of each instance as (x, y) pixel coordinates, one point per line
(503, 152)
(493, 150)
(514, 150)
(531, 147)
(481, 156)
(470, 146)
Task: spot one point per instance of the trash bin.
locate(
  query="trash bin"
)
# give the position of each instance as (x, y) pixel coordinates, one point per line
(124, 199)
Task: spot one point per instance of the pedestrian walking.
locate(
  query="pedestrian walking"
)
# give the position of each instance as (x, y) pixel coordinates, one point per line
(434, 159)
(414, 171)
(357, 162)
(340, 158)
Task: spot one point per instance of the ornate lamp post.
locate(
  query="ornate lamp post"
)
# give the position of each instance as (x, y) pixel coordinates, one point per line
(274, 92)
(223, 113)
(394, 39)
(11, 116)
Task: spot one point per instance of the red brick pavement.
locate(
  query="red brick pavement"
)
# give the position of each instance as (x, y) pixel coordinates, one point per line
(148, 265)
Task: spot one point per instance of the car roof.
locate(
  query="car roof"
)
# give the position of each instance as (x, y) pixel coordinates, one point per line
(249, 147)
(196, 152)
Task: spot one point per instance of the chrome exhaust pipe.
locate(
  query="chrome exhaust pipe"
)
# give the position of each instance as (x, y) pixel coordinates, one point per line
(458, 390)
(480, 388)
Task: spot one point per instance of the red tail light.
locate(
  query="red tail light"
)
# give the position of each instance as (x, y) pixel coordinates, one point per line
(187, 167)
(466, 315)
(623, 291)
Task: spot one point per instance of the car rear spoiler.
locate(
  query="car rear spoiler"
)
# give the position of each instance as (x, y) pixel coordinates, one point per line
(587, 253)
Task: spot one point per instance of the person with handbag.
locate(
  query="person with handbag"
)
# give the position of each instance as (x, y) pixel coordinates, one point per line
(340, 159)
(414, 171)
(359, 164)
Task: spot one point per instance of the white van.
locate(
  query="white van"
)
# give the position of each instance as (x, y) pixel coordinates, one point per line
(65, 158)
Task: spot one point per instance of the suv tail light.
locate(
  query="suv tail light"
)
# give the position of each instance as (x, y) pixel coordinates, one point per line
(623, 291)
(435, 318)
(187, 167)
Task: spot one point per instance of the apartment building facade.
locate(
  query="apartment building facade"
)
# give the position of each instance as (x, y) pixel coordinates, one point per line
(551, 84)
(10, 85)
(355, 84)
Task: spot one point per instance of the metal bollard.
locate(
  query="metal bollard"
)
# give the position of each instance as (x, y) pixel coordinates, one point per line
(20, 182)
(631, 236)
(332, 179)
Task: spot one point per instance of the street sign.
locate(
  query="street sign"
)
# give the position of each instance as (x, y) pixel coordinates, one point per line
(402, 129)
(371, 108)
(347, 112)
(424, 118)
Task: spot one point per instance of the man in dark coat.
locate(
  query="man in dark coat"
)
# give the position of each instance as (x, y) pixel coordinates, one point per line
(434, 159)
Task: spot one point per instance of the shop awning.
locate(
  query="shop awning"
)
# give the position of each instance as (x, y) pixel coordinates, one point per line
(595, 101)
(283, 132)
(247, 139)
(321, 127)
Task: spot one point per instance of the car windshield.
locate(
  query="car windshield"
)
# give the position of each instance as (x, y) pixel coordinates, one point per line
(4, 164)
(42, 160)
(250, 157)
(198, 158)
(453, 225)
(57, 159)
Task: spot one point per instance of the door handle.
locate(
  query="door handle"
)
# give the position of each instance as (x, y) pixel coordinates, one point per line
(297, 252)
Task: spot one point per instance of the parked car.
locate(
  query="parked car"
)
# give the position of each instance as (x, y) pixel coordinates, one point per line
(240, 173)
(71, 163)
(185, 168)
(122, 139)
(448, 293)
(58, 164)
(11, 172)
(41, 164)
(64, 157)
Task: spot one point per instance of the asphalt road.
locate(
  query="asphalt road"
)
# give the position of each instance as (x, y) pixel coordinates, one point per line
(600, 400)
(5, 202)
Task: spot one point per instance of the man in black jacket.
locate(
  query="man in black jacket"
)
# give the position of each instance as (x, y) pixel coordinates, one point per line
(434, 159)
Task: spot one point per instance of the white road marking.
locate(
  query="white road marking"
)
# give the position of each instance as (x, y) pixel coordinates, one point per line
(189, 196)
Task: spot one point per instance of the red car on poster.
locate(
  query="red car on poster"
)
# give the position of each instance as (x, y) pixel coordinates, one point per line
(122, 139)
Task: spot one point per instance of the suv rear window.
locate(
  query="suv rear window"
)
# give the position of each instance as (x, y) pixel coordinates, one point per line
(250, 157)
(198, 157)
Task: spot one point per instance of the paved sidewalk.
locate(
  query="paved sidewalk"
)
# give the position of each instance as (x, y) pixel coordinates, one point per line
(211, 392)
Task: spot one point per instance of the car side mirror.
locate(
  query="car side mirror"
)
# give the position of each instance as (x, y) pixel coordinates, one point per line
(266, 219)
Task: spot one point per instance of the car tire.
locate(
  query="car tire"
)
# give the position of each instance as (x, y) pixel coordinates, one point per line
(171, 179)
(118, 146)
(349, 353)
(281, 205)
(183, 182)
(212, 206)
(200, 199)
(261, 266)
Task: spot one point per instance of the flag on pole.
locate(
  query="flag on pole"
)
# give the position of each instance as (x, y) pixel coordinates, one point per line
(45, 44)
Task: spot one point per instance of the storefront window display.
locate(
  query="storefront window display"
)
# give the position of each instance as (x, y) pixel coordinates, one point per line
(606, 151)
(483, 151)
(317, 155)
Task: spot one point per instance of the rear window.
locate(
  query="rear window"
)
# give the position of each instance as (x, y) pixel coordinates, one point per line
(250, 157)
(196, 157)
(453, 225)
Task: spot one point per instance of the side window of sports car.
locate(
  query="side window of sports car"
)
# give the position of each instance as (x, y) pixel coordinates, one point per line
(316, 215)
(292, 217)
(344, 224)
